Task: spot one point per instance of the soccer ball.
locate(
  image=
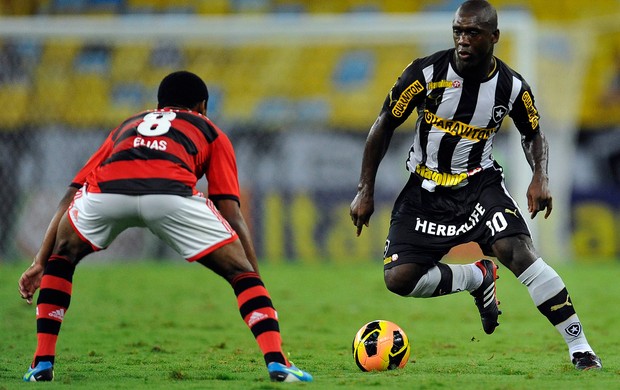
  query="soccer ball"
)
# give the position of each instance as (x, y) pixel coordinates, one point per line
(381, 345)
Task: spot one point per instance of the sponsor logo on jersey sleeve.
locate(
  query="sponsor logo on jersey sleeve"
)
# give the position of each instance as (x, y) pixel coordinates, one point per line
(532, 112)
(405, 98)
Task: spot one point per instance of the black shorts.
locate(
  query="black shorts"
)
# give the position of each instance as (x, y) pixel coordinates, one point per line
(426, 225)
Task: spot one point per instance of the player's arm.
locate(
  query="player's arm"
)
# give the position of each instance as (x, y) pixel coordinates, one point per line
(377, 144)
(30, 280)
(527, 120)
(406, 94)
(536, 151)
(224, 192)
(231, 211)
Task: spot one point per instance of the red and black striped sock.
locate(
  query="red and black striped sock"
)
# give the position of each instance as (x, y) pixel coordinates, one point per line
(259, 314)
(52, 304)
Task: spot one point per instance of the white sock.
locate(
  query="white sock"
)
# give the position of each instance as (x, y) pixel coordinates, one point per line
(427, 284)
(467, 277)
(543, 284)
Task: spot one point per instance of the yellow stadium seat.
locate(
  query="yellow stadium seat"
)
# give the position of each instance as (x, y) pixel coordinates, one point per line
(14, 96)
(58, 55)
(89, 97)
(212, 7)
(313, 71)
(601, 105)
(128, 61)
(145, 6)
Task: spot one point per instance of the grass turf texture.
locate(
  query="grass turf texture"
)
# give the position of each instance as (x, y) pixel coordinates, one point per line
(175, 326)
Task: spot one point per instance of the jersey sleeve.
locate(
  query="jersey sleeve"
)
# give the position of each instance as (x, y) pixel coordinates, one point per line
(93, 162)
(524, 112)
(406, 94)
(221, 172)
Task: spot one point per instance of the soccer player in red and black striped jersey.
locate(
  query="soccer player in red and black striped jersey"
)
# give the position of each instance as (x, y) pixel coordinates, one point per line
(456, 192)
(144, 175)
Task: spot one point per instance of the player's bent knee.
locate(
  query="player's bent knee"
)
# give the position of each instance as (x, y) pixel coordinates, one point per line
(515, 252)
(400, 280)
(397, 286)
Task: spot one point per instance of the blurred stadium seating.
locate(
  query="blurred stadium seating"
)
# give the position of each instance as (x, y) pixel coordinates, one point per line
(338, 73)
(83, 85)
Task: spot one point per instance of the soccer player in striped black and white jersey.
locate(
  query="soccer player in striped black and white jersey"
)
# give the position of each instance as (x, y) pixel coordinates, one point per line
(456, 192)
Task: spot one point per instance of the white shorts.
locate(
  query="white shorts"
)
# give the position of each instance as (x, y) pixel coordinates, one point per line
(192, 226)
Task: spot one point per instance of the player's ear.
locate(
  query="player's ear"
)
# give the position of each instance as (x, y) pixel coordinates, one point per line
(495, 36)
(201, 107)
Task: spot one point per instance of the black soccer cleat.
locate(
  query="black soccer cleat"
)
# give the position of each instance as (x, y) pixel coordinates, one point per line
(485, 297)
(587, 361)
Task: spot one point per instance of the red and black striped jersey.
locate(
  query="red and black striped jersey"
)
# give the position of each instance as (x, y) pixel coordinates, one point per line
(163, 152)
(457, 117)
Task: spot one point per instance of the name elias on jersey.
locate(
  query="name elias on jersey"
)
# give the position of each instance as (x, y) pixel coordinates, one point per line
(151, 144)
(458, 128)
(438, 229)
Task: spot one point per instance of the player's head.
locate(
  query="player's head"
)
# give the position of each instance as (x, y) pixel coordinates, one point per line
(475, 33)
(182, 89)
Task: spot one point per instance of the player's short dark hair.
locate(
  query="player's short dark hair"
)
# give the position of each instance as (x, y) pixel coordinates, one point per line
(181, 89)
(484, 9)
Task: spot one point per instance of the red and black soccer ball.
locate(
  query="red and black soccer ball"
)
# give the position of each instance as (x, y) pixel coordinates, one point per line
(381, 345)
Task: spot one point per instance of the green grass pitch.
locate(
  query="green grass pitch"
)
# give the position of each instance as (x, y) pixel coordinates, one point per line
(174, 326)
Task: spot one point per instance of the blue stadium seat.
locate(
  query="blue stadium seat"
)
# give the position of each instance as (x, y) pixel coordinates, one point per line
(354, 69)
(93, 59)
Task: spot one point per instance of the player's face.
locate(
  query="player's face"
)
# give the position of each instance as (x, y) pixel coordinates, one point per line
(473, 42)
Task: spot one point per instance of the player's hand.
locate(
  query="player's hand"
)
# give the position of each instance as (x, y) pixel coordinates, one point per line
(30, 281)
(539, 197)
(362, 208)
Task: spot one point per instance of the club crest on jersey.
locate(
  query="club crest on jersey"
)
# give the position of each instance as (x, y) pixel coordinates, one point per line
(499, 112)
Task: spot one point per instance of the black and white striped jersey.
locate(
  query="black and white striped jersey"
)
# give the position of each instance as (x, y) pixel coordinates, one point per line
(457, 117)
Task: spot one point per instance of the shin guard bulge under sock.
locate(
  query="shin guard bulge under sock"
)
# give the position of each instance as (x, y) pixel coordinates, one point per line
(259, 314)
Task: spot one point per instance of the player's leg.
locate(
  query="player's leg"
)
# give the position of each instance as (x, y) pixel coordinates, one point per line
(101, 218)
(414, 248)
(54, 298)
(409, 271)
(253, 300)
(549, 294)
(255, 307)
(425, 280)
(194, 228)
